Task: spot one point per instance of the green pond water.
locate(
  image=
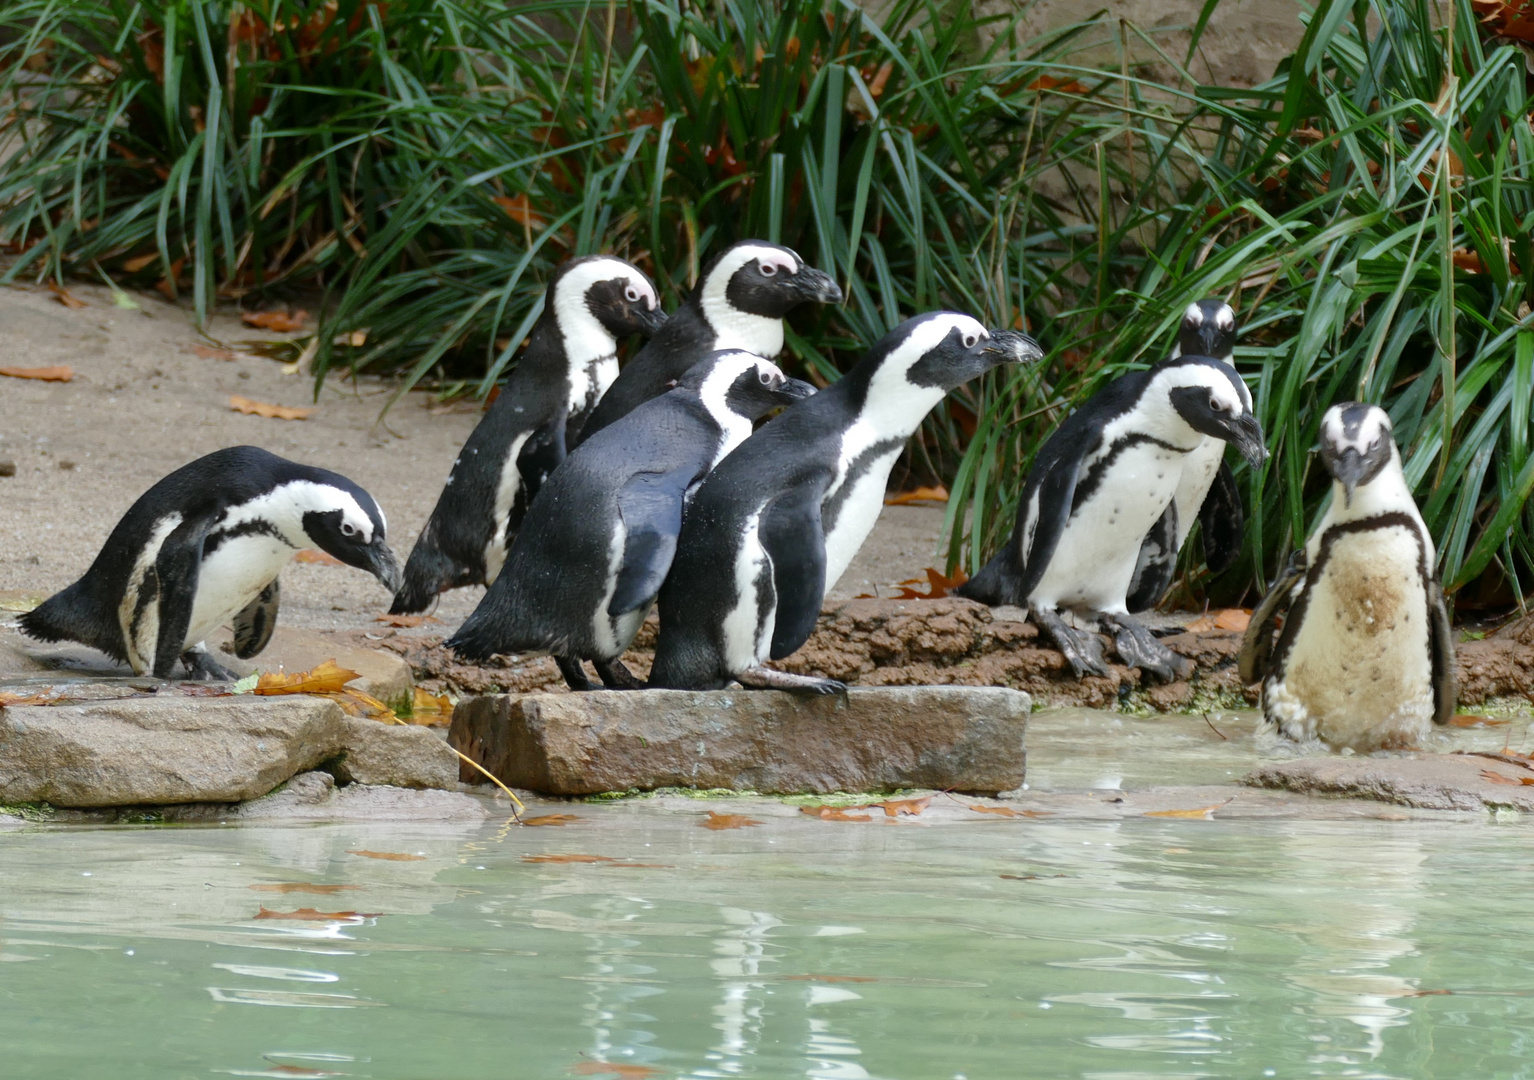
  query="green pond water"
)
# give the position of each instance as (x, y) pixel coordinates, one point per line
(933, 947)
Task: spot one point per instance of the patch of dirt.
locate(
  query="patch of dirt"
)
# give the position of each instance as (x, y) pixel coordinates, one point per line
(1499, 665)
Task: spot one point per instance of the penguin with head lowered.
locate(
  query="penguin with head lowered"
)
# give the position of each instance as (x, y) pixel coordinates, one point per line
(1365, 659)
(204, 546)
(1099, 483)
(599, 538)
(778, 521)
(739, 303)
(1207, 490)
(570, 360)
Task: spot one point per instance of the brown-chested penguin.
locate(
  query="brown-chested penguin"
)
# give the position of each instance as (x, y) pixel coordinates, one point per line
(599, 538)
(1099, 483)
(204, 546)
(739, 303)
(569, 362)
(1366, 656)
(777, 522)
(1207, 490)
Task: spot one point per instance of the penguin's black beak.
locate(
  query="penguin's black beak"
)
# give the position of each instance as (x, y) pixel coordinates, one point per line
(1246, 436)
(379, 560)
(1012, 347)
(794, 390)
(649, 319)
(1212, 340)
(817, 287)
(1350, 468)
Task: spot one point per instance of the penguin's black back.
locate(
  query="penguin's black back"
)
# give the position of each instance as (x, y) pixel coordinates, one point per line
(682, 340)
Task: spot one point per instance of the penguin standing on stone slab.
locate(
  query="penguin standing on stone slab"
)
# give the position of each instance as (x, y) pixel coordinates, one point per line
(776, 523)
(1366, 656)
(1207, 490)
(204, 546)
(1099, 483)
(599, 539)
(570, 360)
(739, 303)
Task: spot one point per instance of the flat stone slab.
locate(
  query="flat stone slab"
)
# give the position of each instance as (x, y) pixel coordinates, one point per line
(1427, 781)
(968, 739)
(163, 749)
(395, 755)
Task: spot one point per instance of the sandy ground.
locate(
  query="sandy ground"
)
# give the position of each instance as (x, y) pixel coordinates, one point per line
(141, 404)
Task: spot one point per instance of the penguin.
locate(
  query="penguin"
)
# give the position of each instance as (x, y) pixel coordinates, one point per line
(778, 521)
(569, 362)
(738, 303)
(204, 546)
(598, 540)
(1365, 659)
(1099, 483)
(1207, 489)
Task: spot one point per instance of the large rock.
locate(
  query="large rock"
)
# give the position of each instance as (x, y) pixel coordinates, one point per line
(958, 738)
(1429, 781)
(383, 675)
(397, 755)
(163, 749)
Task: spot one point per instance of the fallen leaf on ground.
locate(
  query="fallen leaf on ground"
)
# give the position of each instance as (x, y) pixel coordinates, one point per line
(909, 807)
(308, 914)
(1051, 82)
(26, 699)
(326, 678)
(279, 322)
(20, 601)
(938, 586)
(1234, 619)
(302, 886)
(624, 1072)
(1474, 721)
(1198, 812)
(430, 710)
(355, 703)
(322, 558)
(830, 978)
(404, 622)
(921, 494)
(63, 296)
(208, 352)
(832, 813)
(1007, 811)
(56, 373)
(553, 819)
(728, 821)
(519, 208)
(271, 412)
(1498, 778)
(392, 856)
(202, 690)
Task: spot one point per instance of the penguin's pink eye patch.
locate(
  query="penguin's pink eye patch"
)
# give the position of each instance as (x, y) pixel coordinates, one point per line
(770, 267)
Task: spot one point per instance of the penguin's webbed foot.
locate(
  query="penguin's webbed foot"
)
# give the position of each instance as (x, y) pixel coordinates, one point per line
(616, 675)
(766, 678)
(1082, 649)
(1138, 647)
(200, 665)
(575, 674)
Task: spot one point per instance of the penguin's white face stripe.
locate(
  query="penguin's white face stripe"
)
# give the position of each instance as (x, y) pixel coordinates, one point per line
(1374, 428)
(716, 388)
(585, 338)
(285, 506)
(736, 329)
(1193, 315)
(895, 404)
(1225, 318)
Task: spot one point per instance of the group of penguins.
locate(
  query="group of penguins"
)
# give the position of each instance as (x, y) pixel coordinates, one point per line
(587, 495)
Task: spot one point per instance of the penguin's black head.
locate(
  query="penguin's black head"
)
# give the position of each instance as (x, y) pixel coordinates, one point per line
(742, 383)
(1208, 329)
(616, 294)
(1357, 442)
(342, 520)
(947, 349)
(1211, 398)
(754, 277)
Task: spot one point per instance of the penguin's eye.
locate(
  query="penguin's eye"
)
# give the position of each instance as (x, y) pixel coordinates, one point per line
(348, 530)
(632, 294)
(769, 269)
(1217, 405)
(766, 377)
(971, 340)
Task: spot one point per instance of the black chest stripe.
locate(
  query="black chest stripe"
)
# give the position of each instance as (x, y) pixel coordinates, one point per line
(833, 506)
(1093, 480)
(256, 527)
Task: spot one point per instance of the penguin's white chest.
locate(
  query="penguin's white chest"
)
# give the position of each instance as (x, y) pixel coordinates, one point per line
(1360, 671)
(1094, 561)
(1197, 478)
(746, 632)
(588, 383)
(857, 515)
(231, 578)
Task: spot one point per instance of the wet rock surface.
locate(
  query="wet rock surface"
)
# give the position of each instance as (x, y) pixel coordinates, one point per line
(961, 739)
(397, 755)
(1466, 781)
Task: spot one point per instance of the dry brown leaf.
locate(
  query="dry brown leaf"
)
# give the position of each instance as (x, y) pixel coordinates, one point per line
(56, 373)
(302, 886)
(403, 622)
(1028, 877)
(327, 677)
(831, 978)
(279, 322)
(605, 860)
(322, 558)
(520, 209)
(138, 262)
(1497, 778)
(1233, 619)
(1475, 721)
(607, 1068)
(921, 494)
(728, 821)
(308, 914)
(430, 710)
(271, 412)
(909, 807)
(1064, 86)
(63, 296)
(1007, 811)
(938, 586)
(832, 813)
(26, 699)
(208, 352)
(392, 856)
(1198, 812)
(553, 819)
(356, 703)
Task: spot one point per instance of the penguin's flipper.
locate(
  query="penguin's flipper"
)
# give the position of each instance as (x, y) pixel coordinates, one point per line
(794, 538)
(1441, 644)
(1222, 521)
(1016, 570)
(650, 505)
(1157, 563)
(176, 568)
(254, 625)
(1257, 643)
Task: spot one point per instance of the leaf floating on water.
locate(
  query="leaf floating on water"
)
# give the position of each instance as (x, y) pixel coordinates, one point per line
(308, 914)
(921, 494)
(322, 558)
(56, 373)
(605, 860)
(405, 622)
(392, 856)
(831, 978)
(65, 297)
(623, 1072)
(1028, 877)
(728, 821)
(327, 678)
(271, 412)
(279, 322)
(1007, 811)
(302, 886)
(909, 807)
(1468, 721)
(832, 813)
(431, 710)
(1199, 812)
(553, 819)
